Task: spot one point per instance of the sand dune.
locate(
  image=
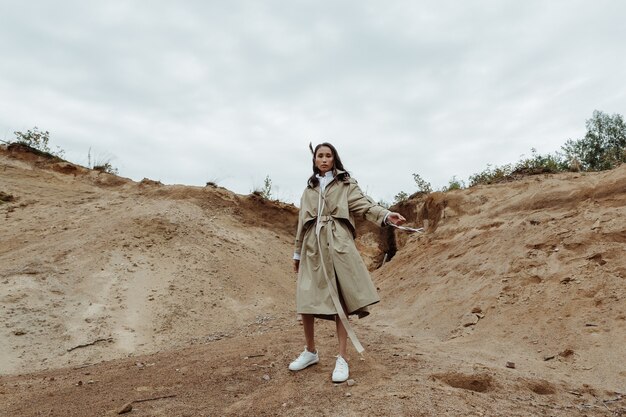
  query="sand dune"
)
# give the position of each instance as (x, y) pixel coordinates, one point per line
(512, 303)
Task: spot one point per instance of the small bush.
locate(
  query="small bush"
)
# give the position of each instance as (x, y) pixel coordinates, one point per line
(34, 139)
(491, 175)
(37, 140)
(106, 167)
(539, 164)
(101, 163)
(422, 185)
(266, 191)
(213, 182)
(454, 184)
(536, 164)
(400, 197)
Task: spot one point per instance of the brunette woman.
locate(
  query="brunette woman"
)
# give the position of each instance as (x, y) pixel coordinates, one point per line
(333, 281)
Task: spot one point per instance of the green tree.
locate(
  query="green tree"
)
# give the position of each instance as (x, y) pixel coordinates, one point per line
(604, 144)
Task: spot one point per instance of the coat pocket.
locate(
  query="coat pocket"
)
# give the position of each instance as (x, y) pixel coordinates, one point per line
(342, 239)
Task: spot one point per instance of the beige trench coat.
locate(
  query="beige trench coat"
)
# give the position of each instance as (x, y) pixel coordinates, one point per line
(344, 201)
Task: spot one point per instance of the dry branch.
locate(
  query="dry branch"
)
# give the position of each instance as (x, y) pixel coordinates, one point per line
(108, 339)
(154, 398)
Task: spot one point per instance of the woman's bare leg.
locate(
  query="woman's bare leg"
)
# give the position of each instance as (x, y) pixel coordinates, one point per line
(308, 322)
(342, 333)
(342, 336)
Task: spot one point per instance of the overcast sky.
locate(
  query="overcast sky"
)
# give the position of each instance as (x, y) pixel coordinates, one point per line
(231, 91)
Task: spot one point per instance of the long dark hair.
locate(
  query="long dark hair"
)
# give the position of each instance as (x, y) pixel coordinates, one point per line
(337, 165)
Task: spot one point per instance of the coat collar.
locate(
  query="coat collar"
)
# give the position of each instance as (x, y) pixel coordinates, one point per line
(327, 175)
(336, 173)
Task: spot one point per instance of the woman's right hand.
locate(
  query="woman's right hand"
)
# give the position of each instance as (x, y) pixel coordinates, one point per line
(396, 218)
(296, 265)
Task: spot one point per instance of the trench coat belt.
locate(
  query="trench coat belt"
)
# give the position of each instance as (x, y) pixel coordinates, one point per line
(329, 221)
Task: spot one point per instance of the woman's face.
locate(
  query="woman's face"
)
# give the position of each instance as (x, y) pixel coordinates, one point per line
(324, 159)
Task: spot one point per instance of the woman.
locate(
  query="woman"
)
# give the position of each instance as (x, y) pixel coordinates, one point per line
(333, 281)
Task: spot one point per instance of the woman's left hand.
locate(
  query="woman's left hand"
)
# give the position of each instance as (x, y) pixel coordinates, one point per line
(395, 218)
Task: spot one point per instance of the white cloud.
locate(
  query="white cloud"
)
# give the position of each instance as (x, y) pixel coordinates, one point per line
(198, 91)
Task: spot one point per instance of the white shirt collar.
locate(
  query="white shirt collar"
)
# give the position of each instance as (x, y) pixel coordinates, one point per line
(325, 180)
(329, 174)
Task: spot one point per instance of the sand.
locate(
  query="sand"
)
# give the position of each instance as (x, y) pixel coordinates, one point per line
(113, 292)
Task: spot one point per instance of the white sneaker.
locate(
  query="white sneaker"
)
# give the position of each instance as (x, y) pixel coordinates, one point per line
(305, 359)
(341, 372)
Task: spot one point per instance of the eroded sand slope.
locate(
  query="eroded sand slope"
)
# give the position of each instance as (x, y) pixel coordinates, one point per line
(187, 293)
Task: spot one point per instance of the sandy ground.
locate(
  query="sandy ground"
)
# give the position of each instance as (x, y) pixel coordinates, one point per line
(179, 300)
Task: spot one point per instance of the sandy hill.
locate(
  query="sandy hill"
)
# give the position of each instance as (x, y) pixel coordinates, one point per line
(180, 300)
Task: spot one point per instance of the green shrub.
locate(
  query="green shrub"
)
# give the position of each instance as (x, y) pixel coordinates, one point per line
(422, 185)
(37, 140)
(105, 167)
(603, 147)
(400, 197)
(266, 191)
(538, 164)
(34, 139)
(491, 175)
(454, 184)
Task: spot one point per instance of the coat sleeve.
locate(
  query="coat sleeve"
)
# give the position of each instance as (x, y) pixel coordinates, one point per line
(362, 206)
(300, 231)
